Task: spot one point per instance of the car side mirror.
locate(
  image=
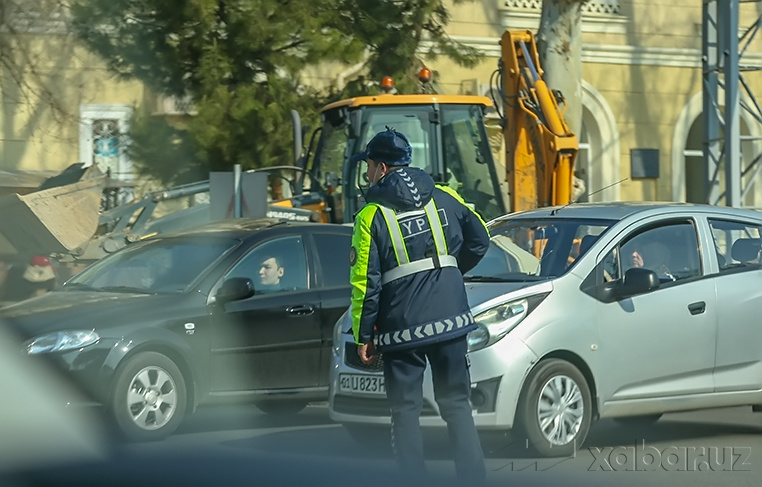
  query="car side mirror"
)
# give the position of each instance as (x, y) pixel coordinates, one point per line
(234, 289)
(637, 281)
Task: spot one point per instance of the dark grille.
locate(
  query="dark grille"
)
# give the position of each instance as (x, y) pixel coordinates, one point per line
(371, 406)
(353, 360)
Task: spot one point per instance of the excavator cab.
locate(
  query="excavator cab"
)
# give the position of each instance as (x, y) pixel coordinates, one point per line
(447, 134)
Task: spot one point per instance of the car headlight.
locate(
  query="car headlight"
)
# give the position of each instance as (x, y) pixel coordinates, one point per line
(61, 341)
(494, 323)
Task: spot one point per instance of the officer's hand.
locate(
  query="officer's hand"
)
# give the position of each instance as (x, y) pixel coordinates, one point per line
(367, 352)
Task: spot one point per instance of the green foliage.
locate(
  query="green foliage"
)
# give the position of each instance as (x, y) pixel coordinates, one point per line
(242, 62)
(174, 157)
(396, 31)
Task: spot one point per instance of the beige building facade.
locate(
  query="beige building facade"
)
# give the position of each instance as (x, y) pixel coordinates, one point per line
(641, 91)
(59, 103)
(641, 94)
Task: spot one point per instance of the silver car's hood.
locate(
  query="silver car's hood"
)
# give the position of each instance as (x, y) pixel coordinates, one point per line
(480, 293)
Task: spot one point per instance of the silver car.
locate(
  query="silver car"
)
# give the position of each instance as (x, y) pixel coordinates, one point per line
(616, 310)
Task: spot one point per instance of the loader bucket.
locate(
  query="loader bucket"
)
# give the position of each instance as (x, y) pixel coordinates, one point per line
(55, 220)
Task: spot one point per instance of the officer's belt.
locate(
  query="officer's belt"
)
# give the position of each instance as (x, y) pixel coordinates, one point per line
(427, 264)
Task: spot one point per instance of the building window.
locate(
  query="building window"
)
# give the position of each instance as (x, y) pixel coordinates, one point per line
(106, 146)
(103, 141)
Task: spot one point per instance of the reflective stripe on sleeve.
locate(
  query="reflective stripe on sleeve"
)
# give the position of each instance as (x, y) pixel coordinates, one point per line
(361, 242)
(455, 195)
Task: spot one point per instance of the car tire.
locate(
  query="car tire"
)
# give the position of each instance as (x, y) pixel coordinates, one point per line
(555, 409)
(281, 407)
(638, 421)
(149, 397)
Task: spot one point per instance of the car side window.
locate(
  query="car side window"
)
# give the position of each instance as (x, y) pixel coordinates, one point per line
(671, 251)
(736, 244)
(333, 253)
(274, 266)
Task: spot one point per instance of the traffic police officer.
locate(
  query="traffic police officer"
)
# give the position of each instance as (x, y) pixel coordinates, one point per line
(411, 245)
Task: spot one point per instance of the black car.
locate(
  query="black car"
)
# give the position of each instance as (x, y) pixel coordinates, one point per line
(179, 320)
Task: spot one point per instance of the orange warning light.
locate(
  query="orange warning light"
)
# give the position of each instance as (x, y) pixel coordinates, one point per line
(387, 84)
(424, 75)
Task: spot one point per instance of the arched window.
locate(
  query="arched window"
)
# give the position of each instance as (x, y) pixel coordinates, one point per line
(688, 171)
(598, 158)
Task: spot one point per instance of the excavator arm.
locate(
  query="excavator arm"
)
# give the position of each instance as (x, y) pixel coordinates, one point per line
(540, 149)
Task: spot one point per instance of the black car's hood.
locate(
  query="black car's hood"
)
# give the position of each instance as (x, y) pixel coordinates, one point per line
(67, 310)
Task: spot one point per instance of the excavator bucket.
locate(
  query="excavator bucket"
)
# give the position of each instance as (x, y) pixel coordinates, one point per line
(59, 219)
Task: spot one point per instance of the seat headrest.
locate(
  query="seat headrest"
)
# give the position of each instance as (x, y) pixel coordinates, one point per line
(587, 242)
(745, 249)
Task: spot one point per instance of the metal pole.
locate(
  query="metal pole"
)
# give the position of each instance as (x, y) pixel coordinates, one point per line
(732, 115)
(237, 191)
(710, 64)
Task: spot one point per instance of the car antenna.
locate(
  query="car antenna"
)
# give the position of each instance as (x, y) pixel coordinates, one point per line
(556, 210)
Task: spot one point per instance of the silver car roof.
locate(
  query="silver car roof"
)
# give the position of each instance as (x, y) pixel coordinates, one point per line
(621, 210)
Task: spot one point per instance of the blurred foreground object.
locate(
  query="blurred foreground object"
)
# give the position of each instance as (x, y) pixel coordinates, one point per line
(37, 429)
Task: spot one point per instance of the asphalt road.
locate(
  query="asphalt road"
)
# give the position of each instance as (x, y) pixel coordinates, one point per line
(239, 445)
(722, 446)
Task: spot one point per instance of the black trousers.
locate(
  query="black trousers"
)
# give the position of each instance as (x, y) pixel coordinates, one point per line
(403, 374)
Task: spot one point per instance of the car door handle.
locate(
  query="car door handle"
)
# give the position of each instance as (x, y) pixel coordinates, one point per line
(302, 309)
(697, 308)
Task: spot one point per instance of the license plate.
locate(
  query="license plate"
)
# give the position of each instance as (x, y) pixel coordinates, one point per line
(362, 384)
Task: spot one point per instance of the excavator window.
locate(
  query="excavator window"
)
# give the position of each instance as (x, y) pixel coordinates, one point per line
(449, 142)
(333, 147)
(466, 156)
(413, 123)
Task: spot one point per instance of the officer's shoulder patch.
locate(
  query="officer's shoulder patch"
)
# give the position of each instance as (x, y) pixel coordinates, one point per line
(352, 256)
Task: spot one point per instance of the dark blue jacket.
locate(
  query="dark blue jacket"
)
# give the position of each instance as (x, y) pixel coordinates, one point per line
(425, 307)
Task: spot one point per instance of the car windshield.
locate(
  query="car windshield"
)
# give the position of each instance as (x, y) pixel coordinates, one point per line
(535, 249)
(167, 265)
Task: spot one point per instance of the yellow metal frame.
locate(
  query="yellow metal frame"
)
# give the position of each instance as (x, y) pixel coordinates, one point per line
(540, 148)
(420, 99)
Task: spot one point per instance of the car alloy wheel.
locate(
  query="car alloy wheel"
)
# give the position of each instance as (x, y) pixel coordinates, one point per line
(149, 398)
(555, 408)
(560, 409)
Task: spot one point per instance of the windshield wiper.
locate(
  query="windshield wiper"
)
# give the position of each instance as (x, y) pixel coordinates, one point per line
(78, 286)
(468, 277)
(126, 289)
(516, 277)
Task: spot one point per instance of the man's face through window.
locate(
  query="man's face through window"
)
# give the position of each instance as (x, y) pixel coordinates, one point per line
(270, 272)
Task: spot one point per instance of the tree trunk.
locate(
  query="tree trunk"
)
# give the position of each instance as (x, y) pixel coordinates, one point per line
(559, 45)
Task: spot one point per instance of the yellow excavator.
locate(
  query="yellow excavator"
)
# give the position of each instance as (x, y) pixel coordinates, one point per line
(449, 139)
(447, 133)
